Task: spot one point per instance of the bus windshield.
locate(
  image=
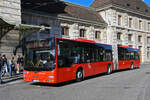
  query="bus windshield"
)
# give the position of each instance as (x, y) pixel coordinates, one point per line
(40, 55)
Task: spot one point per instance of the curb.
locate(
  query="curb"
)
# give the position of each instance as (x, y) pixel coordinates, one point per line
(6, 80)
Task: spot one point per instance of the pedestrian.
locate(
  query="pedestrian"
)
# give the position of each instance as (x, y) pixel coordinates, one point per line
(4, 64)
(22, 62)
(18, 64)
(0, 68)
(11, 65)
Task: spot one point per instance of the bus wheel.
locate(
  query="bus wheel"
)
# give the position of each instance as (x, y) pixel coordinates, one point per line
(79, 75)
(109, 69)
(132, 67)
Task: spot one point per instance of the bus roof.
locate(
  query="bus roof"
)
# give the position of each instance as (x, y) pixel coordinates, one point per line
(84, 40)
(106, 46)
(129, 48)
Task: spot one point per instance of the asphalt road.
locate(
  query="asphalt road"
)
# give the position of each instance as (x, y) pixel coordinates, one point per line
(122, 85)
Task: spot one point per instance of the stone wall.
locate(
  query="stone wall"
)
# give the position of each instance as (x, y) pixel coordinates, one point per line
(9, 42)
(10, 11)
(111, 17)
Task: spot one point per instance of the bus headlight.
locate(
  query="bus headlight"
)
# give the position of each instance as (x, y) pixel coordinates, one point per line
(24, 72)
(50, 76)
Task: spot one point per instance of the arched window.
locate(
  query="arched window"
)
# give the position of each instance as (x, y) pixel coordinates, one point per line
(65, 30)
(82, 32)
(129, 37)
(97, 35)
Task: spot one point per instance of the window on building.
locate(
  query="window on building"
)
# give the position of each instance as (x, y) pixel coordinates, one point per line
(148, 52)
(139, 38)
(119, 36)
(148, 39)
(140, 48)
(146, 10)
(65, 30)
(148, 26)
(82, 32)
(140, 24)
(129, 37)
(98, 35)
(128, 4)
(119, 19)
(138, 8)
(130, 22)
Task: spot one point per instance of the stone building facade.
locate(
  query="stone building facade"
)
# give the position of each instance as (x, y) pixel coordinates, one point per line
(106, 21)
(10, 16)
(76, 21)
(128, 23)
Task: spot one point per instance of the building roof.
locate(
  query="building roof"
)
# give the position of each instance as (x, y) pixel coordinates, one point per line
(81, 12)
(63, 9)
(137, 5)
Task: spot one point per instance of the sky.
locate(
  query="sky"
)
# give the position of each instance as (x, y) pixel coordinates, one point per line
(88, 2)
(148, 2)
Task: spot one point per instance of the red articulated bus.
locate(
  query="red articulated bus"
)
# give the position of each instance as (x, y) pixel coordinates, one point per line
(57, 60)
(128, 58)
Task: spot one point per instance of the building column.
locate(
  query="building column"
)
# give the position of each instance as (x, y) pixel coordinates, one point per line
(144, 47)
(112, 39)
(125, 37)
(104, 36)
(90, 33)
(135, 40)
(74, 31)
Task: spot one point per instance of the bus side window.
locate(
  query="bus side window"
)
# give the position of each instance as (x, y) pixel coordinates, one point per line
(101, 54)
(96, 54)
(108, 55)
(132, 56)
(87, 55)
(136, 56)
(121, 53)
(64, 54)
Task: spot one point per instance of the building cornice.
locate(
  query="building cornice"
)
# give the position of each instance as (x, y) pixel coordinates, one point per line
(82, 21)
(129, 29)
(108, 6)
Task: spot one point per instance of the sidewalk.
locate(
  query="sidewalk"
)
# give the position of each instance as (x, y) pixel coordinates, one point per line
(6, 79)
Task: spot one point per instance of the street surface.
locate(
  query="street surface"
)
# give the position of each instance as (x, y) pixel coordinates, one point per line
(122, 85)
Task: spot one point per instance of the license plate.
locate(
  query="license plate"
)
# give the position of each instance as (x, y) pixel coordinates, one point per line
(35, 80)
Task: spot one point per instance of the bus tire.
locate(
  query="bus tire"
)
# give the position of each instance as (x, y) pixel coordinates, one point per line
(132, 66)
(79, 75)
(109, 69)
